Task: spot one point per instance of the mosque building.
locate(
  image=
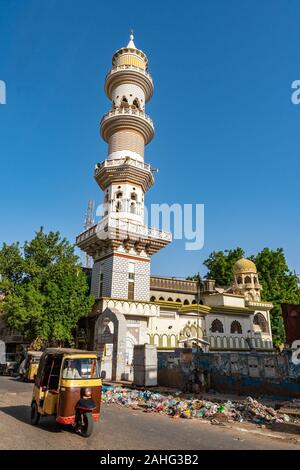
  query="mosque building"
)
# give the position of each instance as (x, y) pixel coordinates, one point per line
(132, 306)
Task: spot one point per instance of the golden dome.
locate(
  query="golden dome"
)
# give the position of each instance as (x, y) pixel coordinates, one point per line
(244, 266)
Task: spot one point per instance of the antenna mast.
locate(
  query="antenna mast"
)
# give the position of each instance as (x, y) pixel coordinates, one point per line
(89, 222)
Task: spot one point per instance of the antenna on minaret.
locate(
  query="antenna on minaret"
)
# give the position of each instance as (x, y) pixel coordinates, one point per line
(89, 222)
(131, 44)
(89, 218)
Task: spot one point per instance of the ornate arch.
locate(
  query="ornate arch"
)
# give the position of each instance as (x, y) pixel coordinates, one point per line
(260, 321)
(217, 326)
(110, 328)
(236, 328)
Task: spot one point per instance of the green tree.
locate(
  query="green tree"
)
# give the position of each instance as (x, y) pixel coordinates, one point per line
(220, 265)
(279, 285)
(11, 266)
(46, 289)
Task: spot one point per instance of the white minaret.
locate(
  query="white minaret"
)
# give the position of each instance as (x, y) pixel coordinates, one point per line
(121, 244)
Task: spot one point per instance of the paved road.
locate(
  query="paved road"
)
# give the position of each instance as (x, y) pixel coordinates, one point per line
(119, 428)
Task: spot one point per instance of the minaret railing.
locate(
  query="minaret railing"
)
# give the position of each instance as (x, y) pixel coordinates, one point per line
(122, 161)
(125, 111)
(119, 68)
(125, 226)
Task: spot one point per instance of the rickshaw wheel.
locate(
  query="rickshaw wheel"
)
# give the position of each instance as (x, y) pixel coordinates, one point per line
(86, 428)
(34, 415)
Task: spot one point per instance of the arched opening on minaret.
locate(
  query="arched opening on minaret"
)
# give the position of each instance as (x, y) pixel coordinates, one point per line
(133, 196)
(133, 208)
(136, 104)
(118, 206)
(124, 102)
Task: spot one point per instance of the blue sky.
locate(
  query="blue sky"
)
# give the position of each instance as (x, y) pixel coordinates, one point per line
(227, 134)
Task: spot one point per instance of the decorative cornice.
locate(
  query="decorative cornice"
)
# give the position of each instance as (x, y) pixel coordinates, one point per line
(204, 309)
(124, 170)
(126, 118)
(128, 74)
(127, 307)
(260, 305)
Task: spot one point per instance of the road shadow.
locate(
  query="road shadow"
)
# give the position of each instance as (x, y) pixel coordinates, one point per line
(22, 413)
(289, 428)
(18, 379)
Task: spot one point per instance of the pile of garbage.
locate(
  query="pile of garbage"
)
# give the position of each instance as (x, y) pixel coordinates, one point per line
(181, 406)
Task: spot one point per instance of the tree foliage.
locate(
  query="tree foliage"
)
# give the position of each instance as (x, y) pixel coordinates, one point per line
(45, 289)
(220, 265)
(279, 285)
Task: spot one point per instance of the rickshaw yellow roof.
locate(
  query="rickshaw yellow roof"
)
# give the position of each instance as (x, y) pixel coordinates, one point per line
(70, 352)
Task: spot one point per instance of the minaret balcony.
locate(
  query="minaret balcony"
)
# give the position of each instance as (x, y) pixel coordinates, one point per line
(126, 118)
(121, 161)
(129, 74)
(110, 228)
(124, 226)
(124, 169)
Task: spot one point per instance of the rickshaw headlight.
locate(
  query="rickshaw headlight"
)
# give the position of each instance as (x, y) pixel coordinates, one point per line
(87, 392)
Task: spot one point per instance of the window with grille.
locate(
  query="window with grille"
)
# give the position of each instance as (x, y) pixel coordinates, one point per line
(101, 278)
(217, 326)
(131, 279)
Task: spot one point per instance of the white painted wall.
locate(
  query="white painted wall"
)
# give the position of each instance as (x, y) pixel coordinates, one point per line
(131, 91)
(223, 299)
(110, 202)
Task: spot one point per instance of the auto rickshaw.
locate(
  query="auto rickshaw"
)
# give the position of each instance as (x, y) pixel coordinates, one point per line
(29, 366)
(68, 386)
(10, 366)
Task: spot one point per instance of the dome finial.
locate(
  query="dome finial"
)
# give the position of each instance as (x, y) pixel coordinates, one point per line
(131, 44)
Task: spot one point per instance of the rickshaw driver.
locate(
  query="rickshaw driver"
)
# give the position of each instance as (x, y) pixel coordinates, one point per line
(71, 371)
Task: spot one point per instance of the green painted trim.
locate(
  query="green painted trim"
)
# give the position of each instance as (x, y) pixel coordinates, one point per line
(127, 300)
(165, 303)
(195, 308)
(223, 309)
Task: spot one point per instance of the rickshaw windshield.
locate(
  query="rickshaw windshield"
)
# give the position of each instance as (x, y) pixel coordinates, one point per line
(34, 359)
(80, 368)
